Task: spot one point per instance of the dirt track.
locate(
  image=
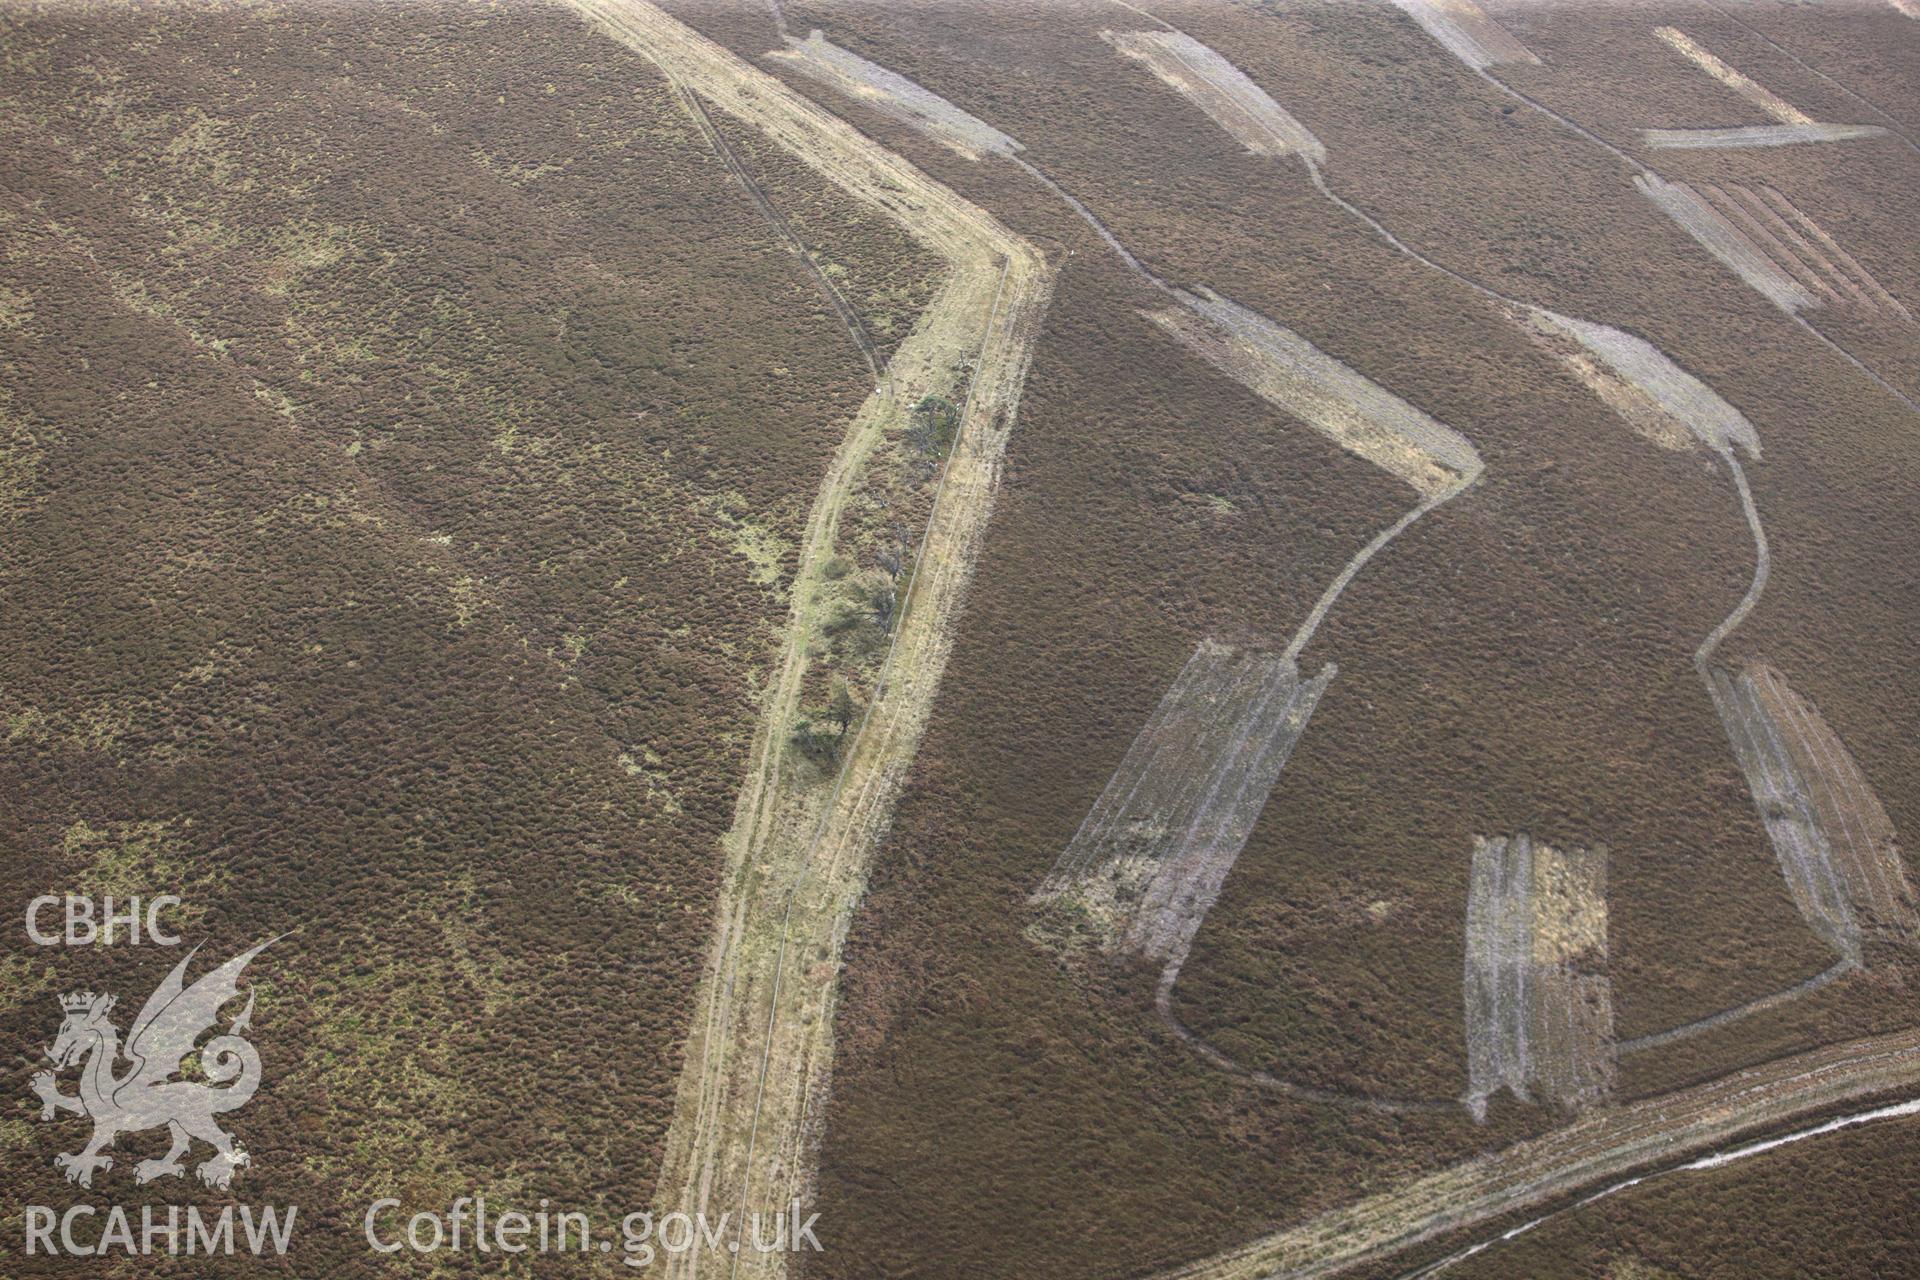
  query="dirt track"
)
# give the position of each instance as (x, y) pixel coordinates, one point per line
(759, 1055)
(1599, 1147)
(760, 1051)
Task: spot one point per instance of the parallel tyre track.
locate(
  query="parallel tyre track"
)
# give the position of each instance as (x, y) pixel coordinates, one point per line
(849, 318)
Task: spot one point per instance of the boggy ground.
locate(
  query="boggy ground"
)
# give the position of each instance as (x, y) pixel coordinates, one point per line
(1519, 661)
(406, 428)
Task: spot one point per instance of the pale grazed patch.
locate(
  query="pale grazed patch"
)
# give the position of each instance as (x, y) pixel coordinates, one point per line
(1466, 32)
(275, 399)
(1654, 395)
(1747, 87)
(1221, 90)
(127, 860)
(1355, 413)
(16, 307)
(464, 595)
(1907, 7)
(200, 147)
(302, 249)
(894, 95)
(22, 450)
(1148, 862)
(1539, 1004)
(1758, 135)
(764, 550)
(1733, 247)
(649, 769)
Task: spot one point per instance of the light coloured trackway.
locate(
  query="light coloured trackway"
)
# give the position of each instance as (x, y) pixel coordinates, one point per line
(759, 1053)
(1600, 1147)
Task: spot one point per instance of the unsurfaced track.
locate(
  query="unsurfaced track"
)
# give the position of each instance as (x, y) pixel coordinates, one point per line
(1599, 1148)
(760, 1050)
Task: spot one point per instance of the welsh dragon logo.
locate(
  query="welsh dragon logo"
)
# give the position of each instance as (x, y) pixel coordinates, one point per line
(146, 1094)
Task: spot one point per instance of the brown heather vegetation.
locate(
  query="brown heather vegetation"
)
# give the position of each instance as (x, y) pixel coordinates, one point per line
(1794, 1213)
(1519, 660)
(1626, 80)
(406, 426)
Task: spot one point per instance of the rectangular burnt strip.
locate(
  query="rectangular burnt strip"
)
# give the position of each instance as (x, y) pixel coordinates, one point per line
(1738, 81)
(1835, 844)
(1758, 135)
(1466, 32)
(1763, 238)
(1642, 384)
(1735, 249)
(893, 94)
(1149, 861)
(1538, 1001)
(1355, 413)
(1231, 100)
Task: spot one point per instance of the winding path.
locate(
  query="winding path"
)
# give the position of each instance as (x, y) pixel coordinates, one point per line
(1762, 564)
(1204, 1048)
(1702, 656)
(1713, 1160)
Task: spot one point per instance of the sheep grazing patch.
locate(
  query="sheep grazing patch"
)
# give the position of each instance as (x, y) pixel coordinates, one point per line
(1466, 32)
(1149, 860)
(1539, 1004)
(1639, 382)
(1220, 89)
(1283, 368)
(894, 95)
(1832, 837)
